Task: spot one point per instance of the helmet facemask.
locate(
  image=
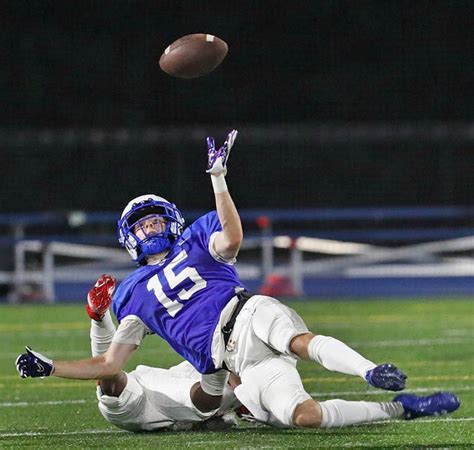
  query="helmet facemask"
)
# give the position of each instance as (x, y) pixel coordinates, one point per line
(140, 210)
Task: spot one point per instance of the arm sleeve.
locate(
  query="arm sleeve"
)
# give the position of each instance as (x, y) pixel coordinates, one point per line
(131, 331)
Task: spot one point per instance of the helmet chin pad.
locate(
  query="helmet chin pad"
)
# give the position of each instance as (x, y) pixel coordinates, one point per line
(154, 245)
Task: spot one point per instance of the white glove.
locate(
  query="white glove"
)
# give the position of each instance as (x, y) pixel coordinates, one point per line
(217, 159)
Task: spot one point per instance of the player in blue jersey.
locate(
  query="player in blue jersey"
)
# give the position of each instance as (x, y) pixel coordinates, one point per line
(149, 398)
(187, 291)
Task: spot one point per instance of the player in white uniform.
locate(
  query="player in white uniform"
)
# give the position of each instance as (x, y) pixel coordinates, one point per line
(188, 292)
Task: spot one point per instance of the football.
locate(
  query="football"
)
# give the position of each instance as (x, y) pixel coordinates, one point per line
(193, 55)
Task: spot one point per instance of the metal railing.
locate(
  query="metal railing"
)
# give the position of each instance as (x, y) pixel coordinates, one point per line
(342, 259)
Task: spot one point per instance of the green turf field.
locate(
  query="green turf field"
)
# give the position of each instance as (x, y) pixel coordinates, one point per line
(431, 340)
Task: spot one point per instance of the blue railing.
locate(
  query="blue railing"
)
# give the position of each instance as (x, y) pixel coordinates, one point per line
(360, 224)
(375, 225)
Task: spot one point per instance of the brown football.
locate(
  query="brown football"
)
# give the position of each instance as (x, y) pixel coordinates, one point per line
(193, 55)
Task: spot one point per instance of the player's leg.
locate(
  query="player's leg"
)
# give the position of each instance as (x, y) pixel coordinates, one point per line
(272, 390)
(339, 413)
(336, 356)
(271, 387)
(274, 394)
(284, 330)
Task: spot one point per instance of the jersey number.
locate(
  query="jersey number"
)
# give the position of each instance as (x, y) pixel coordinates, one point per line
(174, 279)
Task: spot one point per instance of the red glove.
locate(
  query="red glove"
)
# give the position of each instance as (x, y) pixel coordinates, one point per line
(99, 297)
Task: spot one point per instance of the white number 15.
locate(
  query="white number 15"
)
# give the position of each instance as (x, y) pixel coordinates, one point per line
(175, 279)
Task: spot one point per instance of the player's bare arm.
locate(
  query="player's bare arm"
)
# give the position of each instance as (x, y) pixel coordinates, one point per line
(110, 364)
(227, 242)
(100, 367)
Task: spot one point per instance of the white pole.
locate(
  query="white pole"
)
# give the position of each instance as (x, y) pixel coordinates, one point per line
(48, 274)
(296, 262)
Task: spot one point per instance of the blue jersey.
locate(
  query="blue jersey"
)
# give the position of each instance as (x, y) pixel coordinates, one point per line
(181, 298)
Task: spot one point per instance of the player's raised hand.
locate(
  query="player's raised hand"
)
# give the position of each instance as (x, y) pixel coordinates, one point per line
(99, 297)
(34, 364)
(217, 159)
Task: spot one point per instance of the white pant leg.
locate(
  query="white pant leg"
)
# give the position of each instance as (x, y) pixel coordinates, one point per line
(263, 327)
(258, 351)
(271, 391)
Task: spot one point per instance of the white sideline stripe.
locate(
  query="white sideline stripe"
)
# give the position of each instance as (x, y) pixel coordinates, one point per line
(62, 433)
(412, 342)
(118, 431)
(393, 343)
(45, 403)
(313, 394)
(431, 419)
(381, 392)
(438, 419)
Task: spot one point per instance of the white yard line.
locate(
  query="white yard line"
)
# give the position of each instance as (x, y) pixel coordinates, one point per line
(77, 353)
(380, 392)
(412, 342)
(438, 419)
(313, 394)
(117, 431)
(45, 403)
(387, 343)
(61, 433)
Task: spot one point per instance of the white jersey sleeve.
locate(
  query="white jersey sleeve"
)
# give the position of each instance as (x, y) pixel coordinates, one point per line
(216, 255)
(131, 331)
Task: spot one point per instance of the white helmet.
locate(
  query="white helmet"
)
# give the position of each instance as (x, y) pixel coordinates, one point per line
(136, 209)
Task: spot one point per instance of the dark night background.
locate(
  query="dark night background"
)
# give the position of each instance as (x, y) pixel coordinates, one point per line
(338, 103)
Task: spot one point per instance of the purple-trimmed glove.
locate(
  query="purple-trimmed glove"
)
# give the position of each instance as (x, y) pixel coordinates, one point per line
(34, 364)
(217, 159)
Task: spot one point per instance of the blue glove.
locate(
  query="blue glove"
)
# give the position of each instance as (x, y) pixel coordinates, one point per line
(217, 159)
(34, 364)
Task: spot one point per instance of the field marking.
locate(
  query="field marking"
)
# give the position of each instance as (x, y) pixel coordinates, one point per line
(380, 392)
(61, 433)
(44, 326)
(313, 394)
(28, 385)
(157, 352)
(438, 419)
(46, 403)
(344, 379)
(459, 332)
(67, 354)
(357, 318)
(421, 363)
(118, 431)
(412, 342)
(36, 384)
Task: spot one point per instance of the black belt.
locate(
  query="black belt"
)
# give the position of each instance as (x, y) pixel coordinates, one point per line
(229, 326)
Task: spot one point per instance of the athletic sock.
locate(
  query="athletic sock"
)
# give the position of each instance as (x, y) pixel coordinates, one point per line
(339, 413)
(101, 334)
(214, 383)
(336, 356)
